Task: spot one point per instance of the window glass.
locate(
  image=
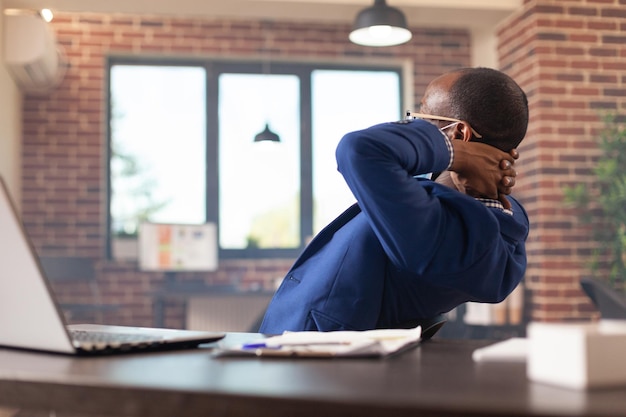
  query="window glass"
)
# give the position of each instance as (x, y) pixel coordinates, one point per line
(183, 147)
(158, 145)
(344, 101)
(259, 182)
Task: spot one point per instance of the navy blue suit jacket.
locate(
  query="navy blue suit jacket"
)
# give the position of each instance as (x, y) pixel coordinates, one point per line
(410, 249)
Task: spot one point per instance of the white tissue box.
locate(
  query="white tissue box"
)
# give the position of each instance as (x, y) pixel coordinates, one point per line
(579, 356)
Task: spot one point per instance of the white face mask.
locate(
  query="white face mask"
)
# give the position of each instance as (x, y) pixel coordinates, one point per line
(449, 126)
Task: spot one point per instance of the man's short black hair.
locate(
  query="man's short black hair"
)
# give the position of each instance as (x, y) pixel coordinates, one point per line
(493, 104)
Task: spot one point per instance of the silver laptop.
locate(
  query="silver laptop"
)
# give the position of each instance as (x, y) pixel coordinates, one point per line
(31, 319)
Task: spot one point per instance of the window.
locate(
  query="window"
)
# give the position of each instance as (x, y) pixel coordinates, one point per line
(259, 182)
(341, 104)
(158, 142)
(182, 146)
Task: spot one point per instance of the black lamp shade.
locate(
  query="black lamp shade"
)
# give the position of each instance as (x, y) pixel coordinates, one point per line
(380, 25)
(267, 135)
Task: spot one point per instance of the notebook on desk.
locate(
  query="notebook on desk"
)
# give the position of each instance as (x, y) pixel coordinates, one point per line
(30, 317)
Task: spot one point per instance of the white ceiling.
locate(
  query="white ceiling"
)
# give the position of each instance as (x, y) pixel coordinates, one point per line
(429, 13)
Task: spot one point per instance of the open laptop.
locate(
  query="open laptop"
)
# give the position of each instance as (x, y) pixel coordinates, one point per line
(30, 317)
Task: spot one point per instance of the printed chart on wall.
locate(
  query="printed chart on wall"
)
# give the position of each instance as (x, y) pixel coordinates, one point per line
(177, 247)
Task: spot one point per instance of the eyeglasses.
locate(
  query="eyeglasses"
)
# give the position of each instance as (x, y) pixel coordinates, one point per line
(410, 114)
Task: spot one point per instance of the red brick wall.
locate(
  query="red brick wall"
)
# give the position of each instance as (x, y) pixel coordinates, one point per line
(64, 159)
(570, 57)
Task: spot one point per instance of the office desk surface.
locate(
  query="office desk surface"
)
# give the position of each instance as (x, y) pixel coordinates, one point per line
(438, 378)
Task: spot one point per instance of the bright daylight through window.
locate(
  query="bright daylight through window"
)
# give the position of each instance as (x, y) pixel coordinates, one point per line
(158, 144)
(183, 149)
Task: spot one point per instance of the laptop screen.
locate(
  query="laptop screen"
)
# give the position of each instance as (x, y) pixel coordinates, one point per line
(29, 316)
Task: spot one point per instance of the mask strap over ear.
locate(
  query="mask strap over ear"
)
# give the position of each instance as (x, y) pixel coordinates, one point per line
(462, 130)
(466, 131)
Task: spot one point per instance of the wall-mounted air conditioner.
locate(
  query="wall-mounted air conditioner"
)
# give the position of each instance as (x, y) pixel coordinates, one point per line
(31, 53)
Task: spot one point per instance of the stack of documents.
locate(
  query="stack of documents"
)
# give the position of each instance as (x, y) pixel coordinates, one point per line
(369, 343)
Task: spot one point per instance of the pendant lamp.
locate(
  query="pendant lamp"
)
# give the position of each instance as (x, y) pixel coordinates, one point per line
(380, 25)
(266, 135)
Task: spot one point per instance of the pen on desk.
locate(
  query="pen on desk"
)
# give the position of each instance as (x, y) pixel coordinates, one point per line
(265, 345)
(260, 345)
(257, 345)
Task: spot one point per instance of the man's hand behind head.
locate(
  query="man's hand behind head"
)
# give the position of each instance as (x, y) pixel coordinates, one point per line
(483, 170)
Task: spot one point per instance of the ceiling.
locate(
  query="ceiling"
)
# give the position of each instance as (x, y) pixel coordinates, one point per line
(428, 13)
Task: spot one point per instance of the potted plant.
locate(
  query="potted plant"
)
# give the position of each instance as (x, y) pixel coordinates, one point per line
(602, 205)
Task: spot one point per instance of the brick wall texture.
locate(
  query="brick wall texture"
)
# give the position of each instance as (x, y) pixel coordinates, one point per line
(568, 55)
(570, 58)
(64, 147)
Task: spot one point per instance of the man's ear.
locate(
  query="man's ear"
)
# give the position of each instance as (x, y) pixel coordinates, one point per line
(463, 131)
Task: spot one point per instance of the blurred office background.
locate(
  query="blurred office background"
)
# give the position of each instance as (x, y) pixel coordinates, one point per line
(156, 109)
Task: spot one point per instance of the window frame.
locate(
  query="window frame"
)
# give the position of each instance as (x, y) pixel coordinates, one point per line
(215, 67)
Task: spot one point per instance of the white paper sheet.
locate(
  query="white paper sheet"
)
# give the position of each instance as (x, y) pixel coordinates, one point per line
(514, 349)
(369, 343)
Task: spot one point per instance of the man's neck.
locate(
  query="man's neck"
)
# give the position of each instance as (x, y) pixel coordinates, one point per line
(445, 179)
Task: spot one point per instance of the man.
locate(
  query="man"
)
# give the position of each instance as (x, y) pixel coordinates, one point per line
(412, 249)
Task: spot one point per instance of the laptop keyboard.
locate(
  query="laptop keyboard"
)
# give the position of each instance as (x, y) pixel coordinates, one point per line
(90, 340)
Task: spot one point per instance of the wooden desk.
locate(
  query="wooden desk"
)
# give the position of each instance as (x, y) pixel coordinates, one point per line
(436, 379)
